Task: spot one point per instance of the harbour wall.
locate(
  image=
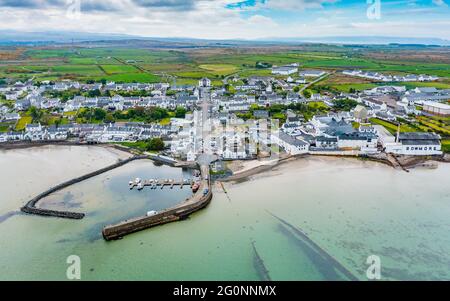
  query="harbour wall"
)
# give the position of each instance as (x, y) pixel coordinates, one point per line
(181, 212)
(30, 207)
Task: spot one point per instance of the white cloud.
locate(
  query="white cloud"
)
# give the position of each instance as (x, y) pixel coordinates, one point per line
(439, 2)
(297, 4)
(208, 19)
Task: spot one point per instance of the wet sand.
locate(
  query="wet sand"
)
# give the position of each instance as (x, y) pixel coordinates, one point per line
(28, 172)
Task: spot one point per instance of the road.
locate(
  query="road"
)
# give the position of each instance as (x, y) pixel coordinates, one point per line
(315, 82)
(205, 126)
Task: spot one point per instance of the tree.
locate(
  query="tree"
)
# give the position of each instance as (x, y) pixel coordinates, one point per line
(345, 104)
(99, 114)
(94, 93)
(36, 114)
(307, 93)
(57, 122)
(155, 144)
(180, 112)
(109, 118)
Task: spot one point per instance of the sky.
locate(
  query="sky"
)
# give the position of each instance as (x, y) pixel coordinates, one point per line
(232, 19)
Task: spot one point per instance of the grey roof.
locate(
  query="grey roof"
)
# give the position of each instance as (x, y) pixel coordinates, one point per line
(419, 136)
(261, 113)
(420, 142)
(293, 119)
(315, 72)
(326, 139)
(291, 140)
(356, 136)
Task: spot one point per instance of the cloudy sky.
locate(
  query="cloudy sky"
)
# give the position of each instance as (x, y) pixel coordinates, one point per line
(231, 19)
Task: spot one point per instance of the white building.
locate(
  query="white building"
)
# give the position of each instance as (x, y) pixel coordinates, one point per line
(436, 108)
(204, 83)
(285, 70)
(358, 141)
(312, 73)
(290, 144)
(416, 144)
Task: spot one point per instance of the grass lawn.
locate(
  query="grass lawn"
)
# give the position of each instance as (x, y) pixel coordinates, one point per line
(4, 126)
(22, 123)
(318, 105)
(358, 87)
(72, 113)
(446, 146)
(165, 121)
(140, 145)
(392, 128)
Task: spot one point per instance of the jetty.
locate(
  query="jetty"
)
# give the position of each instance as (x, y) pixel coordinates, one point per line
(198, 201)
(157, 183)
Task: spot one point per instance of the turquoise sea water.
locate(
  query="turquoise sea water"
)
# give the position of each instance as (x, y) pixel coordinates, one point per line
(348, 209)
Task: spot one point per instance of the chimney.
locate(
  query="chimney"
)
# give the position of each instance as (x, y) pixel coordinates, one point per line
(398, 133)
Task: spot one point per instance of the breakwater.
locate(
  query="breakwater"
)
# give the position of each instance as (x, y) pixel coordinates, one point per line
(30, 207)
(114, 232)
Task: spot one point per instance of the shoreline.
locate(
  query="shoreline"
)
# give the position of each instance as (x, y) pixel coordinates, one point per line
(404, 162)
(27, 145)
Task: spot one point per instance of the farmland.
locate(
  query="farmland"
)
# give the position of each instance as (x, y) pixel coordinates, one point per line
(138, 64)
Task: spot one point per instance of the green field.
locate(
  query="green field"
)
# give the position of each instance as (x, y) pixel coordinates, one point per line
(358, 87)
(148, 65)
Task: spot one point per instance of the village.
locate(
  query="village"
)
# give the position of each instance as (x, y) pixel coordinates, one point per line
(245, 118)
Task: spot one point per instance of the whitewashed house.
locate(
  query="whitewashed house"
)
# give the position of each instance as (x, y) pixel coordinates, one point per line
(290, 144)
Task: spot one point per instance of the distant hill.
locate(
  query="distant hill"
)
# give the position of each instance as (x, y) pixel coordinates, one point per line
(374, 40)
(8, 37)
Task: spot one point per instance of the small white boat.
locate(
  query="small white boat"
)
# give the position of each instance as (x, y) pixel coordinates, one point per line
(152, 213)
(140, 186)
(138, 180)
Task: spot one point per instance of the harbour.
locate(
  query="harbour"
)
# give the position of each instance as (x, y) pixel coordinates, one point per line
(201, 198)
(358, 221)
